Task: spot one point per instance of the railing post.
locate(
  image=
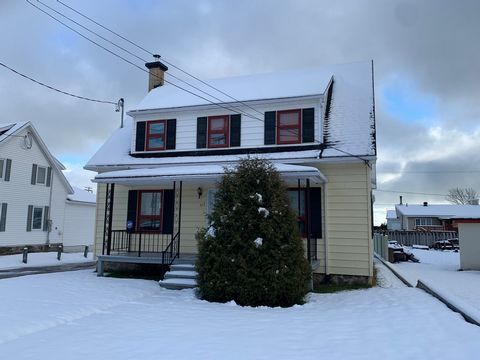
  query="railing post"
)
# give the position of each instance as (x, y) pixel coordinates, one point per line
(307, 210)
(139, 244)
(179, 218)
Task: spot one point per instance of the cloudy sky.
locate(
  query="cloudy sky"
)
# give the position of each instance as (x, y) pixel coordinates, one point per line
(426, 54)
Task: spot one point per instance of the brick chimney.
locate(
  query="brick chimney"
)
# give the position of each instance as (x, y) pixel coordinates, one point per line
(156, 73)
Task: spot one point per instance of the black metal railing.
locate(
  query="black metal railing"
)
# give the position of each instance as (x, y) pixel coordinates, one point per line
(138, 243)
(172, 250)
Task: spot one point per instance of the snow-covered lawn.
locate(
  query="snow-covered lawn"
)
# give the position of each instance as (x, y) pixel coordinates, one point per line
(76, 315)
(42, 259)
(440, 269)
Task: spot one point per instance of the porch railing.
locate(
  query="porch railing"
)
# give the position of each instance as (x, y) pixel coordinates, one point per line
(144, 243)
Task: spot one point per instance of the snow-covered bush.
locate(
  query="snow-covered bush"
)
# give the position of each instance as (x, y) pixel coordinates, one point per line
(252, 253)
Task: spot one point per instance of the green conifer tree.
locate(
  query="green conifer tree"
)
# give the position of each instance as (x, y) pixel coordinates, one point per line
(252, 252)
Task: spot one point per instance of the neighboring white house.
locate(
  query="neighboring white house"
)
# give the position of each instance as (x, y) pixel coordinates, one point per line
(80, 205)
(436, 217)
(393, 222)
(34, 193)
(316, 125)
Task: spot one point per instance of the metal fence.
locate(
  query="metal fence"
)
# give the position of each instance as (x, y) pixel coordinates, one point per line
(409, 238)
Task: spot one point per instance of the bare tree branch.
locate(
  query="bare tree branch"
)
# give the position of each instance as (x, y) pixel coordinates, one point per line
(462, 196)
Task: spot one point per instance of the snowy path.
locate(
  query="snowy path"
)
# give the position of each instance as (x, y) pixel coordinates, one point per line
(105, 318)
(42, 259)
(440, 269)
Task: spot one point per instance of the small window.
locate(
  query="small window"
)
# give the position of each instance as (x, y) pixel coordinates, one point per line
(300, 210)
(150, 208)
(156, 135)
(3, 163)
(218, 131)
(37, 218)
(289, 127)
(41, 175)
(423, 222)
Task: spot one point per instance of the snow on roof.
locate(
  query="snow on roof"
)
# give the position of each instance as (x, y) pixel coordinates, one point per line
(8, 129)
(441, 211)
(391, 214)
(349, 127)
(212, 171)
(293, 83)
(81, 195)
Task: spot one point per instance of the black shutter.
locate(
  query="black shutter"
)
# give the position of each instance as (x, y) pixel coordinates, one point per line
(270, 126)
(168, 211)
(46, 217)
(235, 129)
(3, 216)
(49, 176)
(308, 125)
(132, 209)
(201, 132)
(140, 136)
(8, 170)
(316, 212)
(171, 133)
(34, 174)
(29, 217)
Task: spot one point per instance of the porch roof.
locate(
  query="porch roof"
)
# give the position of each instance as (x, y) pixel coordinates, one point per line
(197, 174)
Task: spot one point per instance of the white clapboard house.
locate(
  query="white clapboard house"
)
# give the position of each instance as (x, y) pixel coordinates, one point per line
(157, 175)
(38, 207)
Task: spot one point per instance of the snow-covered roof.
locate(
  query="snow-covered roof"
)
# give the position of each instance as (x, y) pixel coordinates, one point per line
(81, 195)
(7, 130)
(441, 211)
(349, 127)
(198, 172)
(391, 214)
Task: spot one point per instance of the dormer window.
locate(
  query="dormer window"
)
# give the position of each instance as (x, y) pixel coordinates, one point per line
(156, 134)
(218, 131)
(289, 127)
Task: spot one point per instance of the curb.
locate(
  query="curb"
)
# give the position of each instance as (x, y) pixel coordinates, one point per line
(450, 305)
(394, 271)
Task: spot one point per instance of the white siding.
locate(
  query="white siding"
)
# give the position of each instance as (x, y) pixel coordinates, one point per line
(252, 129)
(18, 193)
(79, 226)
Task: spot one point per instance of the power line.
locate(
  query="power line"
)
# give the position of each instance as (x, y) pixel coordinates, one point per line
(153, 54)
(408, 192)
(140, 68)
(431, 172)
(55, 89)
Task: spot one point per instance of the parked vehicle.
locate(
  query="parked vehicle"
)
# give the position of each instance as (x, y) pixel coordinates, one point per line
(450, 244)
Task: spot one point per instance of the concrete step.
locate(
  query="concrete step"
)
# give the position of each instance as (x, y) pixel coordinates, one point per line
(182, 267)
(178, 284)
(181, 274)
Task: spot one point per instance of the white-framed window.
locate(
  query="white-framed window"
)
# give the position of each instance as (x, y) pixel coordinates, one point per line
(42, 175)
(37, 218)
(423, 222)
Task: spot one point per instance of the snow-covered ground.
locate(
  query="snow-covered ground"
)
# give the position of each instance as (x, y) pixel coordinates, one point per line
(42, 259)
(440, 269)
(76, 315)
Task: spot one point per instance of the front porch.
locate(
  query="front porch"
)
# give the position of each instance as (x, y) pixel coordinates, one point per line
(130, 237)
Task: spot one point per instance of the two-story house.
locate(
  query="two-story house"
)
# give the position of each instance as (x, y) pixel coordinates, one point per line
(37, 203)
(157, 175)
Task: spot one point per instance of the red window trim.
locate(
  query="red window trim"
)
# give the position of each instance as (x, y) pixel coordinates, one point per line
(139, 210)
(149, 136)
(298, 125)
(226, 131)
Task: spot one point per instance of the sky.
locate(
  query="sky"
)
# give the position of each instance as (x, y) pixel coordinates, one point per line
(426, 56)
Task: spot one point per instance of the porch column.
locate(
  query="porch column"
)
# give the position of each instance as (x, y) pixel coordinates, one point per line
(179, 217)
(307, 220)
(108, 216)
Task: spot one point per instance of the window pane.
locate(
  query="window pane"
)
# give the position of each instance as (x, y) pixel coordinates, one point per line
(2, 165)
(288, 135)
(151, 203)
(293, 196)
(41, 175)
(218, 139)
(37, 218)
(211, 200)
(290, 118)
(157, 128)
(156, 143)
(217, 124)
(150, 224)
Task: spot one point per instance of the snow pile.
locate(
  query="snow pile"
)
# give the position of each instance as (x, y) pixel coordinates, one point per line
(258, 242)
(123, 315)
(258, 196)
(42, 259)
(263, 211)
(210, 231)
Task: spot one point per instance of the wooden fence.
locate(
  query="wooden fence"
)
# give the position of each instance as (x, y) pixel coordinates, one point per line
(380, 245)
(409, 238)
